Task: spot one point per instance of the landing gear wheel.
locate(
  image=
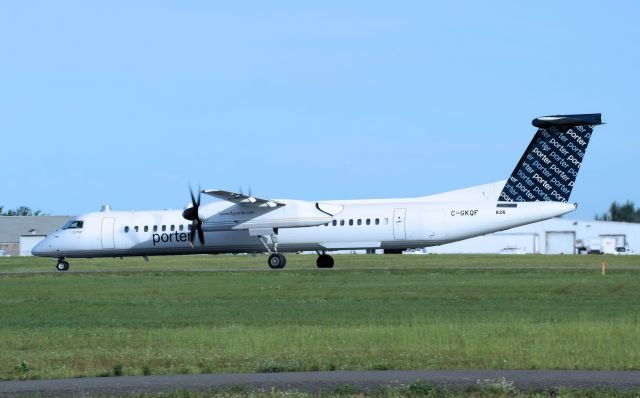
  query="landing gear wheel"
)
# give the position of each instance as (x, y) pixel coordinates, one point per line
(324, 261)
(277, 261)
(62, 265)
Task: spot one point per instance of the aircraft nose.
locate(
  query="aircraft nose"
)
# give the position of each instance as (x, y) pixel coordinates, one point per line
(44, 248)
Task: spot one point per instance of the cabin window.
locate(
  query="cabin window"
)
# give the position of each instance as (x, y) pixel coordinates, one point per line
(189, 227)
(73, 224)
(155, 228)
(181, 227)
(359, 221)
(126, 230)
(164, 228)
(334, 223)
(377, 221)
(135, 228)
(386, 221)
(368, 221)
(351, 221)
(173, 227)
(341, 222)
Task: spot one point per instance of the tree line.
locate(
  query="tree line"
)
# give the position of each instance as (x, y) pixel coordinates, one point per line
(21, 211)
(625, 212)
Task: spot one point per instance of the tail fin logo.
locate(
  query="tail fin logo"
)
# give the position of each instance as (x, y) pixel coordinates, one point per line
(548, 169)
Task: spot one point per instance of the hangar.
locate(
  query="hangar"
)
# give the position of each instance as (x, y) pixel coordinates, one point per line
(553, 236)
(19, 234)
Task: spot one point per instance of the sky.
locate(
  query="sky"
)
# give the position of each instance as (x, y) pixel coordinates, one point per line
(127, 103)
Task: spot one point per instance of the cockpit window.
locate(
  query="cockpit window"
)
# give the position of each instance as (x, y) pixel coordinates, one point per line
(73, 224)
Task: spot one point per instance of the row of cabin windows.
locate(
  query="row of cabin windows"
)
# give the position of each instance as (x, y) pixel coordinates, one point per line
(351, 221)
(359, 221)
(163, 228)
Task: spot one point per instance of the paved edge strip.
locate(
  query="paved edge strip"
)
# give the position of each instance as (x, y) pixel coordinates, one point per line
(317, 382)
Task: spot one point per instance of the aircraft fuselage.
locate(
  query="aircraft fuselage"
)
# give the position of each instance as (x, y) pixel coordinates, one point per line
(538, 188)
(361, 224)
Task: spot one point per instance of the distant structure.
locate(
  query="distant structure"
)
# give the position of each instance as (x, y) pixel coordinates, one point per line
(19, 234)
(554, 236)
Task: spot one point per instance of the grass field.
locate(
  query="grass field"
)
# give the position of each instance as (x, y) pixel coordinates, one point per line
(370, 312)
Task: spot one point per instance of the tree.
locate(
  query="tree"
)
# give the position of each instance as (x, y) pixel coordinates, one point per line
(20, 211)
(626, 212)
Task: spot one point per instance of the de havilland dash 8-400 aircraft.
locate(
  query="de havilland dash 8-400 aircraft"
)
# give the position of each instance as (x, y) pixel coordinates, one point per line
(538, 189)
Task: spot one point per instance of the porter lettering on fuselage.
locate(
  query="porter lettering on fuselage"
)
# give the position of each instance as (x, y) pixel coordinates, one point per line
(170, 237)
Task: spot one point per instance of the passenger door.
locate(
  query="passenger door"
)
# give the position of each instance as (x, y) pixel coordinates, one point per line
(399, 232)
(107, 233)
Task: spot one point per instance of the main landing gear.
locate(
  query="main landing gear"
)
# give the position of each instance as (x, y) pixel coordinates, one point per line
(276, 260)
(324, 260)
(269, 239)
(62, 265)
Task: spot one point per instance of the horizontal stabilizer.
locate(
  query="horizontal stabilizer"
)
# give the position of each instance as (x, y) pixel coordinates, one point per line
(589, 119)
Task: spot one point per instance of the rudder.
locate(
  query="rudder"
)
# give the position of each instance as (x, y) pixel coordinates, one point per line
(548, 168)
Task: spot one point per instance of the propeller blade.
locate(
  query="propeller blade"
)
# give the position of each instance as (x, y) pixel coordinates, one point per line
(192, 234)
(192, 214)
(201, 235)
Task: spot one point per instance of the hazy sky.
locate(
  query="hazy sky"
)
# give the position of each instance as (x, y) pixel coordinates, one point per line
(126, 103)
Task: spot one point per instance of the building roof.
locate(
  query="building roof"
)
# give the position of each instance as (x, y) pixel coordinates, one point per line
(11, 227)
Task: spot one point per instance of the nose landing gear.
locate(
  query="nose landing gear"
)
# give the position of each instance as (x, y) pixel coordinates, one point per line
(62, 265)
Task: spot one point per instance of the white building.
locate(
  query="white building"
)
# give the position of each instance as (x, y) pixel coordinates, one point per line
(554, 236)
(19, 234)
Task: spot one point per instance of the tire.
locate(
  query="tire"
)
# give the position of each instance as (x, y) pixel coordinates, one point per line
(276, 261)
(62, 266)
(324, 261)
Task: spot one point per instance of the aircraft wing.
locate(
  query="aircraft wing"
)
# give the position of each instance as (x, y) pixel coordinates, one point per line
(245, 200)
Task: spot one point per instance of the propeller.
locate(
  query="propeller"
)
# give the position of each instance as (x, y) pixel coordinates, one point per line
(191, 214)
(242, 190)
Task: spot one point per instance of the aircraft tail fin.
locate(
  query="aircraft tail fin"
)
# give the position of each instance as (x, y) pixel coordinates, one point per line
(548, 168)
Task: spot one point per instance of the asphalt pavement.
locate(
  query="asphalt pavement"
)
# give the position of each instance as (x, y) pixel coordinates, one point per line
(318, 382)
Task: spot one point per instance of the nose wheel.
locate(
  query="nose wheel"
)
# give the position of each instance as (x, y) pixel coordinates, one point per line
(277, 261)
(62, 265)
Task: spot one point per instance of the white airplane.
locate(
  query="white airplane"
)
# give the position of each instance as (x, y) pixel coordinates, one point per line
(538, 189)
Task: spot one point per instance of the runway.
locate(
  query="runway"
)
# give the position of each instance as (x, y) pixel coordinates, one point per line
(319, 382)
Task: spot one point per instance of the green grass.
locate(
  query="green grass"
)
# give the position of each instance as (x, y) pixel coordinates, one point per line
(307, 262)
(371, 312)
